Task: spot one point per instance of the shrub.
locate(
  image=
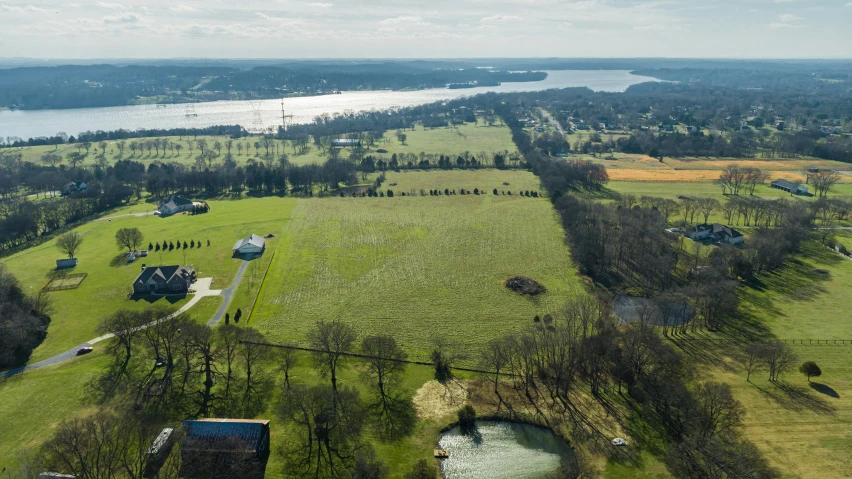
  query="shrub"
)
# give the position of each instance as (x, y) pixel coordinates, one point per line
(446, 192)
(476, 191)
(495, 191)
(390, 194)
(810, 369)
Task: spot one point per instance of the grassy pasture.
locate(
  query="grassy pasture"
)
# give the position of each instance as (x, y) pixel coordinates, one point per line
(804, 430)
(448, 141)
(411, 182)
(77, 311)
(684, 188)
(415, 267)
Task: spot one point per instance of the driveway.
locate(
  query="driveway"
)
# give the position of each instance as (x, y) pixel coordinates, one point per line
(202, 290)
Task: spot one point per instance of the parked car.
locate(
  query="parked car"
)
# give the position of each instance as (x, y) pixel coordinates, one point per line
(84, 350)
(159, 362)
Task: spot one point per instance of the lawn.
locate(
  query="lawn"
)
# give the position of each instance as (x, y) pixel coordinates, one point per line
(77, 311)
(416, 267)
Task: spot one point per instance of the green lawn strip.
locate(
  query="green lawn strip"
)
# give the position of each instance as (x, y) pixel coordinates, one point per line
(485, 180)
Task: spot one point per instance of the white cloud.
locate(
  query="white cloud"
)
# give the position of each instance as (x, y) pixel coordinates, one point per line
(123, 18)
(111, 6)
(789, 18)
(500, 18)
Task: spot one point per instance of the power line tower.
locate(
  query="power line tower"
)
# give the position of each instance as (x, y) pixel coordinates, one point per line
(284, 117)
(257, 118)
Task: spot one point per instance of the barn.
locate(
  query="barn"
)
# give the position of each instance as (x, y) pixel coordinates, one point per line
(254, 244)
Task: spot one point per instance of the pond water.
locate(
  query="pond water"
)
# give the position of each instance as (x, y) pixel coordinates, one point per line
(502, 450)
(34, 123)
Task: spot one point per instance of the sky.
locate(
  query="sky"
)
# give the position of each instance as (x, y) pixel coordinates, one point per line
(426, 29)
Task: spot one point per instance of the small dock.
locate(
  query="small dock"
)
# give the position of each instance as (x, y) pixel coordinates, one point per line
(441, 453)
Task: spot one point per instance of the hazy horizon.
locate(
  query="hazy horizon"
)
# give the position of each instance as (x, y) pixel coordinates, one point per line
(466, 29)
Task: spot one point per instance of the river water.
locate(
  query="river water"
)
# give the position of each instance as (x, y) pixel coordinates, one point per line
(502, 450)
(29, 124)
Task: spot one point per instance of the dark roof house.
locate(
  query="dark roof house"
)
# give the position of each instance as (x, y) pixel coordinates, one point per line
(164, 280)
(789, 187)
(225, 448)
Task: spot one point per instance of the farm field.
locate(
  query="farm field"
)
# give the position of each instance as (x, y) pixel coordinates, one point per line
(708, 189)
(415, 267)
(77, 311)
(411, 182)
(630, 167)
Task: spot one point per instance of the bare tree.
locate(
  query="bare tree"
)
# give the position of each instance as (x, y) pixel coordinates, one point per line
(824, 180)
(331, 340)
(252, 352)
(129, 238)
(68, 243)
(778, 358)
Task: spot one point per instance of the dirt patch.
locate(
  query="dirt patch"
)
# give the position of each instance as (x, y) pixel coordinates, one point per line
(822, 272)
(526, 286)
(435, 400)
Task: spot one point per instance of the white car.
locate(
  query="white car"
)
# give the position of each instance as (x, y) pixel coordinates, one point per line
(619, 442)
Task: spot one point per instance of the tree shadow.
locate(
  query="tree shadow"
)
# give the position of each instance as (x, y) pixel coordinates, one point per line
(119, 260)
(395, 417)
(797, 398)
(824, 389)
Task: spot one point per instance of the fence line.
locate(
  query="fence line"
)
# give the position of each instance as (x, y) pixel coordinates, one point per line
(260, 289)
(48, 287)
(360, 356)
(786, 341)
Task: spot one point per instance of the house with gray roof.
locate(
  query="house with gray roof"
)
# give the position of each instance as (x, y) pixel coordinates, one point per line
(164, 280)
(790, 187)
(224, 448)
(174, 204)
(254, 244)
(716, 233)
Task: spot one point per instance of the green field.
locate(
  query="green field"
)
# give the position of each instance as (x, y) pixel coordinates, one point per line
(413, 182)
(705, 189)
(77, 311)
(415, 268)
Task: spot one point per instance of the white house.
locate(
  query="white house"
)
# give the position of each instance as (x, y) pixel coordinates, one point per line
(174, 204)
(254, 244)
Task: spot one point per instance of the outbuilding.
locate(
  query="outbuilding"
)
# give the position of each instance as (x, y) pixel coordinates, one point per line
(254, 244)
(790, 187)
(346, 142)
(66, 263)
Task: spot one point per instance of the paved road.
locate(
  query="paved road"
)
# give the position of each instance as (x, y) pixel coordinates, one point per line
(552, 121)
(202, 290)
(228, 293)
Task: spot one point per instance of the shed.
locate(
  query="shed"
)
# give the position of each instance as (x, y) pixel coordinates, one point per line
(159, 451)
(217, 447)
(254, 244)
(790, 187)
(66, 263)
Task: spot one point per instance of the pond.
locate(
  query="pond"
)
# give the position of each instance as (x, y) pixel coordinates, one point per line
(502, 450)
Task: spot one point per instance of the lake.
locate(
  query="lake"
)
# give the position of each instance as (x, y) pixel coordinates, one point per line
(502, 450)
(28, 124)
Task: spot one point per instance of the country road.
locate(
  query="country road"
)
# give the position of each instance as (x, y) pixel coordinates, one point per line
(202, 290)
(552, 120)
